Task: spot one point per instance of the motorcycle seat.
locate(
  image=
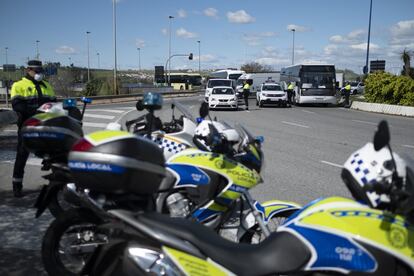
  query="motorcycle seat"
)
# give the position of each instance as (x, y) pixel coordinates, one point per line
(280, 253)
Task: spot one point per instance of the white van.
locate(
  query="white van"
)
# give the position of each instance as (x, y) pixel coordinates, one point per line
(217, 82)
(257, 79)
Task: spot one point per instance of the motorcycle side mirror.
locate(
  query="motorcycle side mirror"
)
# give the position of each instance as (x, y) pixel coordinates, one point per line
(139, 106)
(204, 110)
(382, 136)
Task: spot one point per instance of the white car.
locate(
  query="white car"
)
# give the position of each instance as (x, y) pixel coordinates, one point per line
(216, 82)
(271, 93)
(223, 97)
(357, 88)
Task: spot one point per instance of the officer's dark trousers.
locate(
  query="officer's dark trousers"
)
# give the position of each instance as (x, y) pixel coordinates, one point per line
(289, 94)
(21, 158)
(346, 103)
(246, 98)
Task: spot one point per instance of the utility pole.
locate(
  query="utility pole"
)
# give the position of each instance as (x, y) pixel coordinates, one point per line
(369, 36)
(37, 50)
(293, 46)
(199, 57)
(169, 49)
(87, 41)
(114, 27)
(139, 59)
(99, 60)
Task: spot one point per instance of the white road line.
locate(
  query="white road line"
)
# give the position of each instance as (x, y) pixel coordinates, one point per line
(126, 108)
(307, 111)
(107, 110)
(109, 117)
(332, 164)
(98, 125)
(294, 124)
(365, 122)
(408, 146)
(30, 161)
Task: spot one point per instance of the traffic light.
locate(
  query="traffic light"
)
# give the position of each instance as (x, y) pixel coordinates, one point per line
(190, 57)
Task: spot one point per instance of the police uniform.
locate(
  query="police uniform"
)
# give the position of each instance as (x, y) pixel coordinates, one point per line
(26, 96)
(347, 93)
(290, 92)
(246, 92)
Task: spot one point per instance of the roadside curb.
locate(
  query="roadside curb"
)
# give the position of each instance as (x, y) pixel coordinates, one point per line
(400, 110)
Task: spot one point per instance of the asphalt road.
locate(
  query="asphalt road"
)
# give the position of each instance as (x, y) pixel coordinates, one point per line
(304, 148)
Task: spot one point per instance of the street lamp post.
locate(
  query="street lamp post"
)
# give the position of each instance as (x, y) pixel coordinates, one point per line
(369, 36)
(37, 49)
(169, 48)
(87, 41)
(293, 46)
(114, 27)
(6, 48)
(139, 58)
(199, 57)
(99, 60)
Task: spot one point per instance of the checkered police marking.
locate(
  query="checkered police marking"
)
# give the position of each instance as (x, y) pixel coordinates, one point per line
(169, 145)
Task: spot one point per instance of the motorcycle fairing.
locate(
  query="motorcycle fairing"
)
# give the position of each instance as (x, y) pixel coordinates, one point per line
(238, 177)
(192, 265)
(170, 145)
(271, 208)
(188, 176)
(347, 223)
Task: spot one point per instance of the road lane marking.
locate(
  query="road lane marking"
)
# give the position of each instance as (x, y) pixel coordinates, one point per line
(294, 124)
(98, 125)
(108, 117)
(307, 111)
(107, 110)
(126, 108)
(30, 161)
(365, 122)
(331, 164)
(408, 146)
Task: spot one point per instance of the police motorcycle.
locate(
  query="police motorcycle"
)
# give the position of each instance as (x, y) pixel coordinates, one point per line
(50, 134)
(371, 235)
(209, 186)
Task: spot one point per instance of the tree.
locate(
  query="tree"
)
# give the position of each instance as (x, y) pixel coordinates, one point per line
(255, 67)
(406, 58)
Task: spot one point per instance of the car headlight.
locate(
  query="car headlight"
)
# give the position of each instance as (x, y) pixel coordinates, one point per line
(213, 99)
(264, 94)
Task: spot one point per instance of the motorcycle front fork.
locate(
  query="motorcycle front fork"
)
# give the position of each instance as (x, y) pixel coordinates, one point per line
(258, 217)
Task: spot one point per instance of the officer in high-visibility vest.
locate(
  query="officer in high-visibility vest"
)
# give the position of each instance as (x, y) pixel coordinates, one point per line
(246, 93)
(27, 95)
(347, 93)
(290, 92)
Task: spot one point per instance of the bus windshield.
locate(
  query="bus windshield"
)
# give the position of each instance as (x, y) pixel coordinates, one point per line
(234, 76)
(317, 80)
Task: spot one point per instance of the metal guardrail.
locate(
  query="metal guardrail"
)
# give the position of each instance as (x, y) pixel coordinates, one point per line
(134, 95)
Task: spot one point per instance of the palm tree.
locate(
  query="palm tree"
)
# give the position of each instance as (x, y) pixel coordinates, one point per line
(406, 58)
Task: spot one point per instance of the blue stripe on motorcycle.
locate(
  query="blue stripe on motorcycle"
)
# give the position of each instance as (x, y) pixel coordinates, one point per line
(189, 175)
(93, 166)
(202, 214)
(335, 252)
(237, 188)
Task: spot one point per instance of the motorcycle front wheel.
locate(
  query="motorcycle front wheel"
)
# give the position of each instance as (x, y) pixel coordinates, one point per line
(69, 241)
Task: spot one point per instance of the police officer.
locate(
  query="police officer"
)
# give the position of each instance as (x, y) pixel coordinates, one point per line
(290, 92)
(347, 91)
(27, 95)
(246, 92)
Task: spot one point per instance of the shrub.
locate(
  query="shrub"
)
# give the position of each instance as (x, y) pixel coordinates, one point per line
(382, 87)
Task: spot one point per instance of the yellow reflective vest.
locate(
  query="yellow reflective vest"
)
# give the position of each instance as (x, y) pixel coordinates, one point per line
(290, 87)
(348, 87)
(26, 89)
(246, 86)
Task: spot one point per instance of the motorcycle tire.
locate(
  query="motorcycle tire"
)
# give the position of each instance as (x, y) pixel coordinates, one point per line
(80, 223)
(254, 234)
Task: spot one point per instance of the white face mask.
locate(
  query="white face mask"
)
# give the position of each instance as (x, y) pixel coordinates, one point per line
(38, 77)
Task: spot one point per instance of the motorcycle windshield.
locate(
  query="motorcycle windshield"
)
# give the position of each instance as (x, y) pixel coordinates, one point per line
(184, 110)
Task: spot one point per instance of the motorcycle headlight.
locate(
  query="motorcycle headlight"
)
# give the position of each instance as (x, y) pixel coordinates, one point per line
(152, 261)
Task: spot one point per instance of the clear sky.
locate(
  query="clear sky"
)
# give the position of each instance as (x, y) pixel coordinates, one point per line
(231, 32)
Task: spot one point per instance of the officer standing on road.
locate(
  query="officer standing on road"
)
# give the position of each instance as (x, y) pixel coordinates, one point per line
(27, 95)
(246, 93)
(347, 93)
(290, 92)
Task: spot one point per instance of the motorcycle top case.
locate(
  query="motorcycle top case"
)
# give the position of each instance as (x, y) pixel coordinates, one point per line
(113, 161)
(50, 133)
